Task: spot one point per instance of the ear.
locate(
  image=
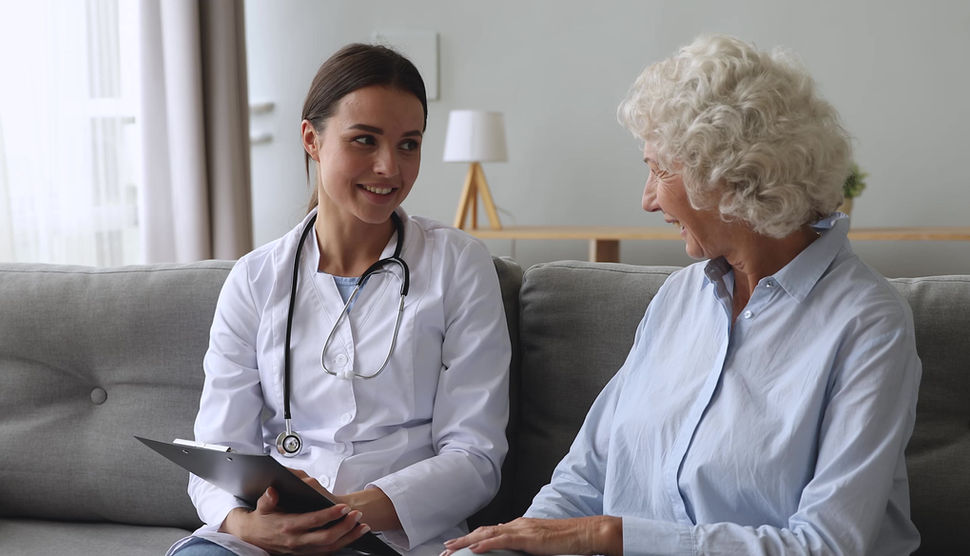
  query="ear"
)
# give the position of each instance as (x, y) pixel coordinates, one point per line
(310, 136)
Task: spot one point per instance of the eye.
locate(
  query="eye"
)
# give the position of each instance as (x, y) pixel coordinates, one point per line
(410, 145)
(364, 140)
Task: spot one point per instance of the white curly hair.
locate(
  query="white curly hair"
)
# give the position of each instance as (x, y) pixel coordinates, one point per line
(746, 130)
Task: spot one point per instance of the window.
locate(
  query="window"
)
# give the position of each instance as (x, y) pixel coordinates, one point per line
(69, 154)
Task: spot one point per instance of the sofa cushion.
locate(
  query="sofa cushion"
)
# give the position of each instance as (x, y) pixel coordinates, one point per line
(576, 326)
(577, 322)
(88, 358)
(938, 454)
(34, 537)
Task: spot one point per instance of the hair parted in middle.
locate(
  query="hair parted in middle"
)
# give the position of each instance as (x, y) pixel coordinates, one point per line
(353, 67)
(746, 130)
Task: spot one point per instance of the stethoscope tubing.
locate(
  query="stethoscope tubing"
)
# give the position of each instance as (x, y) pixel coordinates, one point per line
(290, 443)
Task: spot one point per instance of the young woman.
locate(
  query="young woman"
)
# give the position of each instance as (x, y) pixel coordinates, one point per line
(366, 349)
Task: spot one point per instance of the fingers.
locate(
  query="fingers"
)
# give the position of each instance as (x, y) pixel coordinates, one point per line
(474, 539)
(313, 483)
(298, 472)
(340, 534)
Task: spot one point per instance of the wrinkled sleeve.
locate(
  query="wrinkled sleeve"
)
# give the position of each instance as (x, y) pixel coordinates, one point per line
(470, 409)
(578, 482)
(864, 430)
(231, 390)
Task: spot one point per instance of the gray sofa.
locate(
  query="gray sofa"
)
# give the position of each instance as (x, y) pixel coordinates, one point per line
(90, 357)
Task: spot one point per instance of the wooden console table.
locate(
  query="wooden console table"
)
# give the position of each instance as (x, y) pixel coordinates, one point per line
(604, 241)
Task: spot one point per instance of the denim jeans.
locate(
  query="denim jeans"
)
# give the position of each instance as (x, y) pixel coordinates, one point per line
(202, 547)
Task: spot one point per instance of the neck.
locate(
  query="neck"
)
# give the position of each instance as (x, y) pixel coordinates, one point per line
(349, 246)
(757, 256)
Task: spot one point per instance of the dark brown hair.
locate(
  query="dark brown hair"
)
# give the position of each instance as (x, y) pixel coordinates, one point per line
(353, 67)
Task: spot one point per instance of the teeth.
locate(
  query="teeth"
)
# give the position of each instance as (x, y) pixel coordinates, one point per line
(378, 190)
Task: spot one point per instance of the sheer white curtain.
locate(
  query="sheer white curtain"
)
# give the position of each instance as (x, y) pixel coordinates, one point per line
(68, 145)
(194, 131)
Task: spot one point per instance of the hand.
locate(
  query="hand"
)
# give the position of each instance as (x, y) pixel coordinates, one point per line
(582, 535)
(282, 533)
(377, 509)
(313, 483)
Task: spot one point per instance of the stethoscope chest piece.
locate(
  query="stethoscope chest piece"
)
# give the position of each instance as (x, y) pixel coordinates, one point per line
(289, 443)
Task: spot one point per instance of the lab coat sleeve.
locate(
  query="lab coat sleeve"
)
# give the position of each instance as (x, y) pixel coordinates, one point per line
(231, 394)
(470, 411)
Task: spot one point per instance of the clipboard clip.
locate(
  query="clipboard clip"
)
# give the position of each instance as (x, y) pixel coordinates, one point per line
(193, 443)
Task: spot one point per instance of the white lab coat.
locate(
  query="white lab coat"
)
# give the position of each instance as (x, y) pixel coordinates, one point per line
(429, 431)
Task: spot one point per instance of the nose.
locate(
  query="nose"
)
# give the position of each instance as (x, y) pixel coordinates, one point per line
(649, 201)
(385, 162)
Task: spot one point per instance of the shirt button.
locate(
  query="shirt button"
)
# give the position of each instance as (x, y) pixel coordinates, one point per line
(341, 360)
(748, 314)
(769, 284)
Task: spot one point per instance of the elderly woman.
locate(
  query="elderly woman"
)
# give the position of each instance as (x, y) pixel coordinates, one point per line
(770, 392)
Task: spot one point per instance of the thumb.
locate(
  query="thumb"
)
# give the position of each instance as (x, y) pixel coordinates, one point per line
(267, 502)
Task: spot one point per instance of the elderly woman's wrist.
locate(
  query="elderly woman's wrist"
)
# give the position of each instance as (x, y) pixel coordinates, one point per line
(609, 536)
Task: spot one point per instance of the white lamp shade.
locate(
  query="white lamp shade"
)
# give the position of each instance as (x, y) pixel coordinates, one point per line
(475, 136)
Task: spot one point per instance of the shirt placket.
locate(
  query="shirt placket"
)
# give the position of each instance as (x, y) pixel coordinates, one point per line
(681, 445)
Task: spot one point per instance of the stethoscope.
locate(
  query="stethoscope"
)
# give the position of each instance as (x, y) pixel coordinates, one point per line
(289, 442)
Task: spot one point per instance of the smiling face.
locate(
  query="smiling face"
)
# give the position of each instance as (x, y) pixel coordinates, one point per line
(368, 153)
(704, 233)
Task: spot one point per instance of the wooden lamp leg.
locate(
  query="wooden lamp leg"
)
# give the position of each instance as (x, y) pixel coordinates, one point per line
(475, 184)
(468, 193)
(487, 199)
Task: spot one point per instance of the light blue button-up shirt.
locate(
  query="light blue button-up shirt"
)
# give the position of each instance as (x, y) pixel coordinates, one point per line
(780, 433)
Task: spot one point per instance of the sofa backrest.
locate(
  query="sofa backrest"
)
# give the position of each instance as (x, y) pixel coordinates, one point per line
(938, 455)
(576, 326)
(90, 357)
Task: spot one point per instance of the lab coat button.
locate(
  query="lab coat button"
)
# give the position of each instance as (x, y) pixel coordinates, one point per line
(341, 360)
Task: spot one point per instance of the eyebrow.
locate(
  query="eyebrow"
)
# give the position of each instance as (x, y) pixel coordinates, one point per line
(379, 131)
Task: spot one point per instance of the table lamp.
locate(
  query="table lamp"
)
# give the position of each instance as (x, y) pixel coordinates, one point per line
(475, 136)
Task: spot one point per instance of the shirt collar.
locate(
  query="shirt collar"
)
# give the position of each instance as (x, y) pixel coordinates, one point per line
(800, 275)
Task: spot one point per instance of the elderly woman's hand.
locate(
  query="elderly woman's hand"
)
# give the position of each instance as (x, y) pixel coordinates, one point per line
(582, 535)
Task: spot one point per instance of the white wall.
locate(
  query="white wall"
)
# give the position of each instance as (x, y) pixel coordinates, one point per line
(896, 70)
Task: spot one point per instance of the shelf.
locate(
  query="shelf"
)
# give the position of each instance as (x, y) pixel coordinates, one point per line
(604, 241)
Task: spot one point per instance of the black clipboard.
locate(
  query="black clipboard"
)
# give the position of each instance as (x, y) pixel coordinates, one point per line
(247, 476)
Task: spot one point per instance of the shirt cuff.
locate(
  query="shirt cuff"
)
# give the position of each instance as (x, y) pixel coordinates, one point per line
(653, 537)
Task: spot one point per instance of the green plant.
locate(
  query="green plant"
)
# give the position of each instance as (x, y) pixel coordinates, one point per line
(854, 182)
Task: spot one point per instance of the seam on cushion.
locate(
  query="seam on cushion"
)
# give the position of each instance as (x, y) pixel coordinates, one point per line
(580, 266)
(945, 279)
(203, 266)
